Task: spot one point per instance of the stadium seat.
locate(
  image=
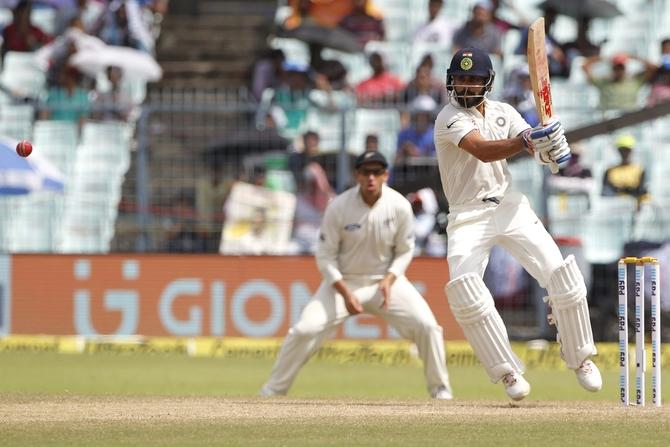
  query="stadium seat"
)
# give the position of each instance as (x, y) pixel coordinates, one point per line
(294, 50)
(57, 141)
(21, 75)
(527, 178)
(94, 189)
(333, 132)
(652, 223)
(607, 228)
(565, 213)
(16, 120)
(35, 222)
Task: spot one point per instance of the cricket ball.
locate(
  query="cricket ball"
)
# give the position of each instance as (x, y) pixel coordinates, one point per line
(24, 148)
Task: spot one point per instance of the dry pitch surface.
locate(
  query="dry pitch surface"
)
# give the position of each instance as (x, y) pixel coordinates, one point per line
(19, 410)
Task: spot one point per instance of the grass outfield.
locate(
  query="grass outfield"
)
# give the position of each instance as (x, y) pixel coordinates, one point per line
(159, 400)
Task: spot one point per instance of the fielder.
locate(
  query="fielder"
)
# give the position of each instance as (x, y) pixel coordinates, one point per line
(366, 244)
(473, 136)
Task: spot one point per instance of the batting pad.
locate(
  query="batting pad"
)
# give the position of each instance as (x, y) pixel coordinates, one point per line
(567, 297)
(473, 307)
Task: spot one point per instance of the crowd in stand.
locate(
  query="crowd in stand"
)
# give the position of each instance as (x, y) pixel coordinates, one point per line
(289, 89)
(81, 82)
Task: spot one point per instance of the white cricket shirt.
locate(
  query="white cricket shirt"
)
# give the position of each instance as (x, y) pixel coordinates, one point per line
(465, 179)
(358, 240)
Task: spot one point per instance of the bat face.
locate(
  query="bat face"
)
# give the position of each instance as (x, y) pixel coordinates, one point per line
(538, 68)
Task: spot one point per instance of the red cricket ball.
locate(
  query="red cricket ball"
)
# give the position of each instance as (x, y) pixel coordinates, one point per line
(24, 148)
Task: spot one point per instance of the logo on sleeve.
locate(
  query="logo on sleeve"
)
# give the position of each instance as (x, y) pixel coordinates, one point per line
(500, 121)
(352, 227)
(451, 124)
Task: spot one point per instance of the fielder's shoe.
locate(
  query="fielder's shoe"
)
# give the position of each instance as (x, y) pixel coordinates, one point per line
(442, 393)
(588, 376)
(516, 386)
(267, 392)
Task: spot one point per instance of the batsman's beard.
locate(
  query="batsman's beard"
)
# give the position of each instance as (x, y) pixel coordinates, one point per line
(467, 100)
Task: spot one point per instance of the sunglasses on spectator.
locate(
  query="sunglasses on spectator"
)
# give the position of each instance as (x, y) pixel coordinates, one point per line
(376, 172)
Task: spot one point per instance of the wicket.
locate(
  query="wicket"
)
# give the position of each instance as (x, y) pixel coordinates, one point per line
(640, 354)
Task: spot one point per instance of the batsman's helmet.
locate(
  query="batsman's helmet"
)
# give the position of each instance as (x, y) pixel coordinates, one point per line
(470, 62)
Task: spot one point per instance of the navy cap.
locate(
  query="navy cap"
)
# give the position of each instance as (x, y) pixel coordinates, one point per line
(471, 62)
(371, 157)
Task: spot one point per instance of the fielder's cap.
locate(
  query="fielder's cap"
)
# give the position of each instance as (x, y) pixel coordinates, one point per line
(625, 141)
(370, 157)
(471, 62)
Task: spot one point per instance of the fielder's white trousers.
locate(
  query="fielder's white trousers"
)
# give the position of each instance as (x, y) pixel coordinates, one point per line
(407, 312)
(512, 225)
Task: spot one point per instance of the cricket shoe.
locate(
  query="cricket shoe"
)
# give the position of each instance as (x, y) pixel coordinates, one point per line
(588, 376)
(442, 393)
(516, 386)
(267, 392)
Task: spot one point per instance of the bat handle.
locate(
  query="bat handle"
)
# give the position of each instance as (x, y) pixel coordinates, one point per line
(553, 166)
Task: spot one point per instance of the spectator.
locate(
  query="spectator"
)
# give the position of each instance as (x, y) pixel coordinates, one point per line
(439, 29)
(425, 208)
(267, 72)
(574, 178)
(382, 85)
(181, 226)
(626, 178)
(364, 26)
(519, 94)
(68, 100)
(112, 103)
(582, 45)
(479, 31)
(619, 91)
(416, 140)
(298, 161)
(423, 85)
(312, 198)
(211, 191)
(122, 25)
(660, 80)
(371, 143)
(559, 65)
(504, 25)
(88, 11)
(326, 13)
(292, 96)
(21, 35)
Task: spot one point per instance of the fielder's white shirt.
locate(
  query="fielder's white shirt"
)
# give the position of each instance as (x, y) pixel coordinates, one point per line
(465, 179)
(358, 240)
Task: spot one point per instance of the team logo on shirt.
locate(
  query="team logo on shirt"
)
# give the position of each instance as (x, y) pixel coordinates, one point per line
(466, 62)
(501, 121)
(352, 227)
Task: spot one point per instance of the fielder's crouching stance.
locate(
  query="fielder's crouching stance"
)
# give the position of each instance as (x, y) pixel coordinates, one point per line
(366, 244)
(473, 137)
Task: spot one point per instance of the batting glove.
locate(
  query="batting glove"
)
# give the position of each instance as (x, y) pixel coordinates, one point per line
(551, 131)
(557, 153)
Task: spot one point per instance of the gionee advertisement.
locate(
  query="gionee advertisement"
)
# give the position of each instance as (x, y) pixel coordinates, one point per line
(182, 295)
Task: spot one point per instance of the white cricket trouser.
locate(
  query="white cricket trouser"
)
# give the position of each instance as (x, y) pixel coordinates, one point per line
(407, 312)
(512, 225)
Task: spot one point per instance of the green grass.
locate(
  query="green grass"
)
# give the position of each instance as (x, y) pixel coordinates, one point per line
(481, 415)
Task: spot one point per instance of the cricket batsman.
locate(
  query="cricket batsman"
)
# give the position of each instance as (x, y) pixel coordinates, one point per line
(474, 136)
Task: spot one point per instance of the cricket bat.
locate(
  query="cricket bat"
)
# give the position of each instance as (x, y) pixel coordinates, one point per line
(538, 68)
